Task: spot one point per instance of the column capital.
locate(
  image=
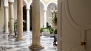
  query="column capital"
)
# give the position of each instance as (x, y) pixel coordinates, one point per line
(11, 0)
(5, 3)
(27, 7)
(45, 8)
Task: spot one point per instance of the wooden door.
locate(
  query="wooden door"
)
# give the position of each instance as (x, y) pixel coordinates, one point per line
(74, 25)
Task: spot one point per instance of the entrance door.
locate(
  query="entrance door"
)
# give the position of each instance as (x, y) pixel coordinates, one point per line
(74, 25)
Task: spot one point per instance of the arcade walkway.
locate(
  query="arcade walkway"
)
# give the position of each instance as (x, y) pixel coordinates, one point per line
(9, 44)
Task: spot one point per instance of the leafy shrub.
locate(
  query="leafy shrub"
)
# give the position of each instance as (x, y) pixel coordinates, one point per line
(51, 30)
(41, 30)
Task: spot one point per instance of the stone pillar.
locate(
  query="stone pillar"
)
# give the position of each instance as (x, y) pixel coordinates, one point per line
(45, 18)
(19, 20)
(6, 16)
(36, 26)
(11, 17)
(6, 19)
(28, 20)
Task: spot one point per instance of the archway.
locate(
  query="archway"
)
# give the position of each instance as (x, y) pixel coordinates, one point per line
(49, 12)
(25, 18)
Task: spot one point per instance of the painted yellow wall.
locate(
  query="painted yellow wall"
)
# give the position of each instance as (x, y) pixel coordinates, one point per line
(47, 1)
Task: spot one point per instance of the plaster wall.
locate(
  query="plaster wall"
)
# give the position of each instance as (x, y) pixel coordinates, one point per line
(41, 15)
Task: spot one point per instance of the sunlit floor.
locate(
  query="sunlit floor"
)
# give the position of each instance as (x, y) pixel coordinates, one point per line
(9, 44)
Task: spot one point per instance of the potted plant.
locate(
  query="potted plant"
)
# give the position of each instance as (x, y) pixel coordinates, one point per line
(15, 25)
(54, 18)
(55, 27)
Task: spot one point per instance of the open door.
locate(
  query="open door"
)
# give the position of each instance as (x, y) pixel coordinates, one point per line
(74, 25)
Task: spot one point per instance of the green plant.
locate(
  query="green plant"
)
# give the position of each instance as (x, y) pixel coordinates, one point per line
(54, 18)
(55, 31)
(41, 30)
(51, 30)
(15, 23)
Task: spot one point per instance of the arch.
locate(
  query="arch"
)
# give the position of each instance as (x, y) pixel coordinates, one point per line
(24, 2)
(49, 11)
(50, 3)
(43, 4)
(25, 16)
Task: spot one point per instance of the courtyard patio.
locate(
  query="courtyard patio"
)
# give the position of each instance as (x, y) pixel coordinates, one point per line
(9, 44)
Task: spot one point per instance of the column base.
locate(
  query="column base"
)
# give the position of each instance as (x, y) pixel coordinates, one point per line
(36, 47)
(11, 35)
(20, 39)
(6, 32)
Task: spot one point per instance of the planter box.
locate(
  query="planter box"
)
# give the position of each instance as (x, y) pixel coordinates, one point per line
(46, 32)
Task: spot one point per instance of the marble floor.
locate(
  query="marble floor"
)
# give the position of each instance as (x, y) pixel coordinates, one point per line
(9, 44)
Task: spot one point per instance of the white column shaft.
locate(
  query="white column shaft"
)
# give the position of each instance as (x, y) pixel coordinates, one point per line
(20, 20)
(36, 25)
(11, 18)
(45, 18)
(6, 19)
(28, 20)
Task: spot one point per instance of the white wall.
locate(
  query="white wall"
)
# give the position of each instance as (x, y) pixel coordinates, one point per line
(41, 15)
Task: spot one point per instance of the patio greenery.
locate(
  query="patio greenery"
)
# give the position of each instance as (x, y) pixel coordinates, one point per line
(51, 30)
(15, 23)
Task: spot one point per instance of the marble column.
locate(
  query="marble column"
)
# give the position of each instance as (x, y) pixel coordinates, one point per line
(28, 20)
(6, 19)
(19, 20)
(11, 18)
(45, 18)
(36, 26)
